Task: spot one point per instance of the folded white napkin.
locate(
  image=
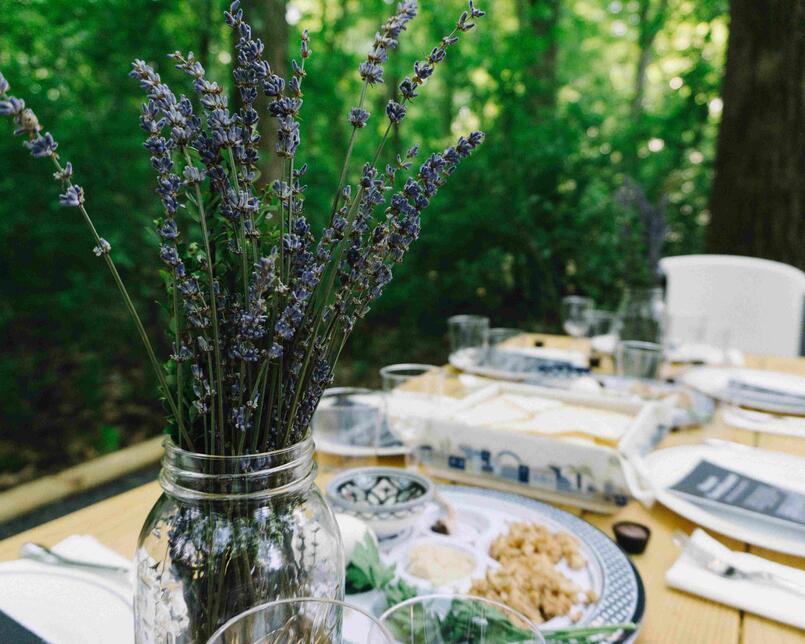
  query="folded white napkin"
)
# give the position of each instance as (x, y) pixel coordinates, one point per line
(752, 596)
(576, 358)
(705, 353)
(761, 422)
(66, 605)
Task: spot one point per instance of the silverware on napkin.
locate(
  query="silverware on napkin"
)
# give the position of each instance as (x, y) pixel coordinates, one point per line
(43, 554)
(722, 568)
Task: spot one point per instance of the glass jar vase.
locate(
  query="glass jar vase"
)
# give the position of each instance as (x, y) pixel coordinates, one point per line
(230, 533)
(641, 315)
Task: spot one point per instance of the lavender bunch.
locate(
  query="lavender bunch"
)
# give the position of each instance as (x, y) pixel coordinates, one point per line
(651, 222)
(261, 307)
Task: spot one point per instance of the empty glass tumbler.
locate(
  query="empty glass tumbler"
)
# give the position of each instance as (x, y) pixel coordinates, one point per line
(577, 315)
(635, 359)
(306, 620)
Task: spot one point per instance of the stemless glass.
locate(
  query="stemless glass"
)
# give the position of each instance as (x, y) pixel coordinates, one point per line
(349, 425)
(414, 396)
(456, 619)
(635, 359)
(577, 315)
(467, 332)
(499, 335)
(602, 322)
(350, 416)
(310, 620)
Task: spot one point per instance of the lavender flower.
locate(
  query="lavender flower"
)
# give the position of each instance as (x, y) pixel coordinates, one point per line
(102, 248)
(371, 71)
(42, 146)
(358, 117)
(73, 197)
(395, 111)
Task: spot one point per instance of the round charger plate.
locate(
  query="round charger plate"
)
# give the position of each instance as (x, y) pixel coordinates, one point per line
(66, 606)
(621, 596)
(327, 446)
(714, 381)
(572, 362)
(667, 466)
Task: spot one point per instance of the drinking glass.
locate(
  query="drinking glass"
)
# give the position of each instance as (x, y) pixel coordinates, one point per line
(577, 315)
(467, 332)
(414, 395)
(635, 359)
(308, 619)
(456, 619)
(602, 322)
(348, 418)
(498, 335)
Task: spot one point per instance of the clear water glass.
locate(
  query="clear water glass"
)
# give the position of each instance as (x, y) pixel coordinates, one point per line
(414, 396)
(577, 315)
(350, 416)
(602, 322)
(499, 335)
(458, 619)
(467, 332)
(636, 359)
(306, 620)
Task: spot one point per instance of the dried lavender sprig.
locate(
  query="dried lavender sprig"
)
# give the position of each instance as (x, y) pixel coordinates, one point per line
(436, 56)
(371, 72)
(392, 237)
(165, 100)
(44, 146)
(425, 70)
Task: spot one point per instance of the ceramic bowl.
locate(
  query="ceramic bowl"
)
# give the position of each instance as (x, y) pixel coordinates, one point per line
(388, 499)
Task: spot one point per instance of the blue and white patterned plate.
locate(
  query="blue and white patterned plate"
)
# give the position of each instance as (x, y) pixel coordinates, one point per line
(609, 572)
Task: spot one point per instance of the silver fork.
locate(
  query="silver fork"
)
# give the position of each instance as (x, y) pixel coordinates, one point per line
(725, 569)
(43, 554)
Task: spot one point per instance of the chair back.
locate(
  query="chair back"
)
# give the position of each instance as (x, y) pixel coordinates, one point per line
(755, 305)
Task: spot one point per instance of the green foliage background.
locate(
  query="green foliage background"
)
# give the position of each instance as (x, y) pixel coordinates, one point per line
(529, 219)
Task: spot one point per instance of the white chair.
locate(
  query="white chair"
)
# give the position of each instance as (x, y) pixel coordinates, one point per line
(755, 305)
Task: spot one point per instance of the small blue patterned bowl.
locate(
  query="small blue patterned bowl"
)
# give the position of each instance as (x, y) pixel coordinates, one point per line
(388, 499)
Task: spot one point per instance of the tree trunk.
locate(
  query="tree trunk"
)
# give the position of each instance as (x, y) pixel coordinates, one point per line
(648, 28)
(541, 18)
(759, 186)
(267, 18)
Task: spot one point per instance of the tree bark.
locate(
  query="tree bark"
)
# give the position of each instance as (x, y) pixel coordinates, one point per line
(267, 18)
(759, 186)
(541, 18)
(648, 28)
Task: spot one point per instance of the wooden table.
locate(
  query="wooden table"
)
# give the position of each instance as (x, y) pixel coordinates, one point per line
(671, 616)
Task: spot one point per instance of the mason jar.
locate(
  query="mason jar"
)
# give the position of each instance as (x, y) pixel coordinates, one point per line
(230, 533)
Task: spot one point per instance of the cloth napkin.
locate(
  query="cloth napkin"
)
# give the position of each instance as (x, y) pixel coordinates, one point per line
(705, 354)
(762, 599)
(44, 614)
(762, 422)
(765, 388)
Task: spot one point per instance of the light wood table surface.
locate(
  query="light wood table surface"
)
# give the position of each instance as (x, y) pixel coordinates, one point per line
(671, 616)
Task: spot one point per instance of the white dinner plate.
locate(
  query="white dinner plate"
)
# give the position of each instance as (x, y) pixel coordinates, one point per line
(66, 606)
(666, 467)
(714, 381)
(327, 446)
